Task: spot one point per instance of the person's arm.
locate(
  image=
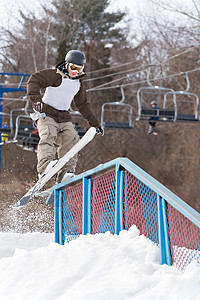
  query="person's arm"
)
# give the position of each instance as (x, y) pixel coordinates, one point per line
(39, 80)
(84, 107)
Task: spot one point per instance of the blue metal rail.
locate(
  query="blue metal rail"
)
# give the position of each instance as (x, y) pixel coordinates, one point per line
(145, 189)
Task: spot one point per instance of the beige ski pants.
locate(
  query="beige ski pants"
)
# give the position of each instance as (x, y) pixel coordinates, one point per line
(55, 140)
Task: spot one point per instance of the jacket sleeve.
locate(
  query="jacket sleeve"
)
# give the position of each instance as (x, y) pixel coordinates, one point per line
(84, 106)
(39, 80)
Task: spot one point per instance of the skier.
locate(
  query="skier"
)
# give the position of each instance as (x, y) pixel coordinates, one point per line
(152, 120)
(56, 131)
(4, 136)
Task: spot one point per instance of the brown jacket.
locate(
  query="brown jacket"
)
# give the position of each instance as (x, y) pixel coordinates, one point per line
(50, 77)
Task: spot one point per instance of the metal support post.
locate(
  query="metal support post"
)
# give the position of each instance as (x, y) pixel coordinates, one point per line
(56, 215)
(61, 231)
(119, 198)
(163, 232)
(86, 216)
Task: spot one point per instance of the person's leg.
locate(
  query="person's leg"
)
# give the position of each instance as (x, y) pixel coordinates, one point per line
(47, 129)
(67, 138)
(151, 126)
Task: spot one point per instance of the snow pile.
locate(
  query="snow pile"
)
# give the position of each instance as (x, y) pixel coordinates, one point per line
(99, 267)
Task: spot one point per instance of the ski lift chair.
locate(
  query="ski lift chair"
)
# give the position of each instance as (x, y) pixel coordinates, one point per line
(181, 114)
(22, 130)
(156, 93)
(26, 111)
(120, 110)
(26, 135)
(145, 111)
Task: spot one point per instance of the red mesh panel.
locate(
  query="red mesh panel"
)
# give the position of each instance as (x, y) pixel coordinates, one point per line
(184, 237)
(133, 213)
(72, 209)
(103, 203)
(140, 207)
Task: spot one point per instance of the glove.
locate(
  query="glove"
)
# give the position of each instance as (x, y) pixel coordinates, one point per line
(100, 130)
(38, 106)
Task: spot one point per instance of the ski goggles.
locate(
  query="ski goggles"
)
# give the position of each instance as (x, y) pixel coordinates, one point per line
(73, 67)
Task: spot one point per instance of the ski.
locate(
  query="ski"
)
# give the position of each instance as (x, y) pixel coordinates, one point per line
(152, 132)
(44, 193)
(88, 136)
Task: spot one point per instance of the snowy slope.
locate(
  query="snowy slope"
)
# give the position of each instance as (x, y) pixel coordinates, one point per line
(99, 267)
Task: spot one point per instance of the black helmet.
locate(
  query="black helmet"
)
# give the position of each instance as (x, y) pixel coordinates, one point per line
(75, 57)
(153, 103)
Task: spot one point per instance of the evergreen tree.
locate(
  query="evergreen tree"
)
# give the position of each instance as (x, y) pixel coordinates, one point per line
(87, 26)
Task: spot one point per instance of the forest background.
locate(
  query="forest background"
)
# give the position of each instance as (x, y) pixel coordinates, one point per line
(119, 48)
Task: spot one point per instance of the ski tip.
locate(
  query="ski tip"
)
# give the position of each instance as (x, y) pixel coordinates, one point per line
(22, 201)
(16, 205)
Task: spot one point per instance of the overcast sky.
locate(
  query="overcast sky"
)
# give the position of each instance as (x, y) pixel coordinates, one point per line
(9, 8)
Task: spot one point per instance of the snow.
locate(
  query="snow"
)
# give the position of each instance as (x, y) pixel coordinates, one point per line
(100, 267)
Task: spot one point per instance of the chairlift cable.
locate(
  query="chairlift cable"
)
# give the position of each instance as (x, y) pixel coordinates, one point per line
(115, 80)
(145, 66)
(111, 67)
(112, 74)
(98, 88)
(127, 63)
